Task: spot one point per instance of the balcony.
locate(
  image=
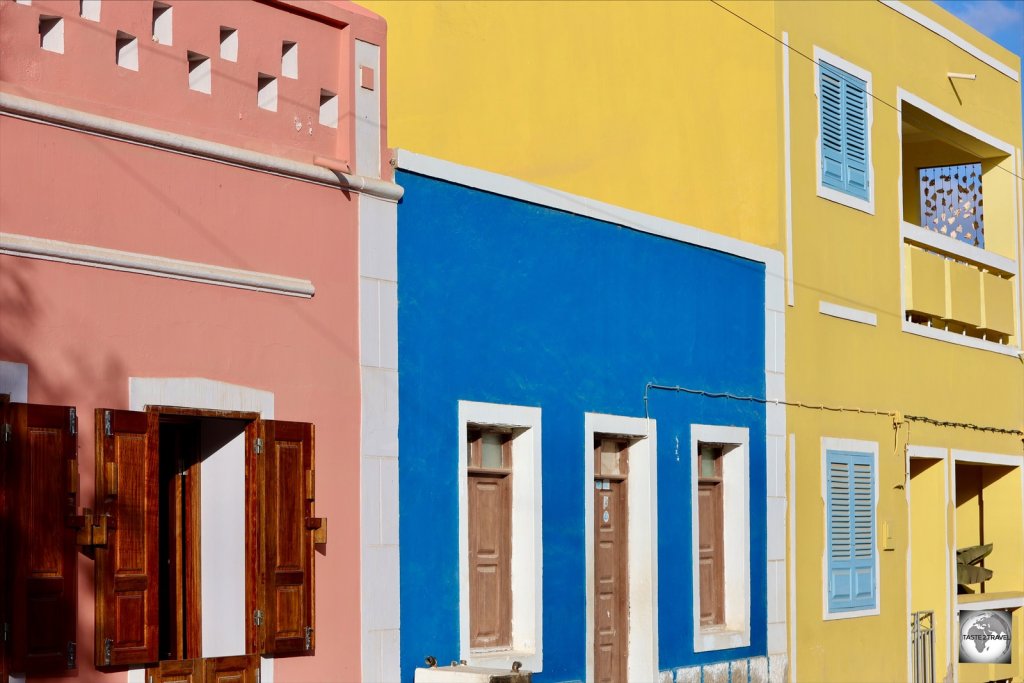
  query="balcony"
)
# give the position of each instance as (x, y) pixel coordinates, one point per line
(958, 234)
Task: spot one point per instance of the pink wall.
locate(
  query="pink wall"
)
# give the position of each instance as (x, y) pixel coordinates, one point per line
(84, 331)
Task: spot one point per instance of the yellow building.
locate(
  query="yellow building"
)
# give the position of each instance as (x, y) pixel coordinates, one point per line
(878, 146)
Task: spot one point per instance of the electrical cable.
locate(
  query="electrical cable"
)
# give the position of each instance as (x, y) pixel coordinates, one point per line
(895, 415)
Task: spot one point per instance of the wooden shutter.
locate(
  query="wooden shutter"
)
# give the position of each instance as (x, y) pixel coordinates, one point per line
(7, 556)
(240, 669)
(830, 93)
(127, 569)
(285, 464)
(844, 131)
(43, 486)
(850, 504)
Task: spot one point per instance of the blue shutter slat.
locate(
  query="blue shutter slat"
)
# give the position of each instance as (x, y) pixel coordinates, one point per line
(832, 161)
(856, 140)
(850, 510)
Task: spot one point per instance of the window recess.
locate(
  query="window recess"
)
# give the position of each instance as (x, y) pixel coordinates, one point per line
(845, 134)
(157, 600)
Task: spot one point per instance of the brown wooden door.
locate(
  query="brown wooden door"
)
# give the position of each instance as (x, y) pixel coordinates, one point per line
(710, 536)
(611, 587)
(44, 483)
(285, 479)
(127, 569)
(490, 565)
(5, 541)
(239, 669)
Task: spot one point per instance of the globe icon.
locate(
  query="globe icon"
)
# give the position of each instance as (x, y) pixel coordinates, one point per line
(985, 637)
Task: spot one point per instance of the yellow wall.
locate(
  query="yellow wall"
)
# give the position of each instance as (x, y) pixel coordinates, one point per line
(636, 104)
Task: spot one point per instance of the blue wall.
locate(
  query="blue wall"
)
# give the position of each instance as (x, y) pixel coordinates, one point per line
(506, 302)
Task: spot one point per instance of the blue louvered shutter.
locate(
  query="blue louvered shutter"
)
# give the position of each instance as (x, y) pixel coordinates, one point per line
(850, 511)
(844, 131)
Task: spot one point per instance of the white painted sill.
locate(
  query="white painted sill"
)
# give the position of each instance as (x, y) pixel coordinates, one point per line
(721, 638)
(840, 197)
(502, 659)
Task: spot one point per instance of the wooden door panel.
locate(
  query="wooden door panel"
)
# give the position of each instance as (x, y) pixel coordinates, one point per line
(490, 553)
(286, 478)
(43, 499)
(127, 569)
(240, 669)
(5, 538)
(711, 554)
(176, 671)
(611, 585)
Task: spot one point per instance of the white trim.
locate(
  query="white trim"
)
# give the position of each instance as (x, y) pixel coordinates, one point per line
(144, 264)
(1018, 210)
(855, 446)
(1001, 603)
(736, 508)
(838, 196)
(846, 313)
(960, 339)
(788, 170)
(14, 380)
(944, 243)
(642, 524)
(83, 122)
(903, 95)
(943, 32)
(927, 452)
(527, 546)
(981, 458)
(792, 558)
(522, 190)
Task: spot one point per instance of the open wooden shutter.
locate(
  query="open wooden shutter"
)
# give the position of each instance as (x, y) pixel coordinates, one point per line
(127, 569)
(285, 480)
(43, 487)
(7, 557)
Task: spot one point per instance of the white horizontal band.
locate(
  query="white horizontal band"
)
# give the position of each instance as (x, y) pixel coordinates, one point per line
(43, 112)
(846, 313)
(159, 266)
(958, 249)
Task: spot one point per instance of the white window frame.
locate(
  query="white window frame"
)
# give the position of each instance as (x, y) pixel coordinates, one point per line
(833, 195)
(855, 446)
(736, 543)
(642, 534)
(527, 548)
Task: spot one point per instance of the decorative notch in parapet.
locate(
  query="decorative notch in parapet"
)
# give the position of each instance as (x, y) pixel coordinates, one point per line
(229, 44)
(51, 33)
(266, 92)
(290, 59)
(200, 73)
(127, 51)
(366, 77)
(89, 9)
(163, 27)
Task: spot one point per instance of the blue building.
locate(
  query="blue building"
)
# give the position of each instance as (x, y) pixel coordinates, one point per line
(569, 498)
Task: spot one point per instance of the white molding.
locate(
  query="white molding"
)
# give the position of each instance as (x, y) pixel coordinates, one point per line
(736, 510)
(954, 247)
(960, 339)
(788, 169)
(846, 313)
(84, 122)
(144, 264)
(792, 558)
(831, 194)
(527, 528)
(14, 380)
(943, 32)
(1000, 603)
(904, 95)
(927, 452)
(540, 195)
(642, 494)
(855, 446)
(981, 458)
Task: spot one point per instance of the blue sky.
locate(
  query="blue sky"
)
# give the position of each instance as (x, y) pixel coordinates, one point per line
(1000, 20)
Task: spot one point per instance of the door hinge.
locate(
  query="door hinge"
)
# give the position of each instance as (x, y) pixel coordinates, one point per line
(7, 632)
(107, 429)
(71, 650)
(259, 445)
(108, 645)
(7, 433)
(73, 419)
(309, 637)
(257, 617)
(257, 674)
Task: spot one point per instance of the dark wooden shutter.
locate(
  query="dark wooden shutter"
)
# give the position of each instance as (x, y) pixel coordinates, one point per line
(286, 482)
(7, 557)
(43, 483)
(240, 669)
(127, 569)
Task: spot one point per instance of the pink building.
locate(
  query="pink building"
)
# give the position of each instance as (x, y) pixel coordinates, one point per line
(193, 196)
